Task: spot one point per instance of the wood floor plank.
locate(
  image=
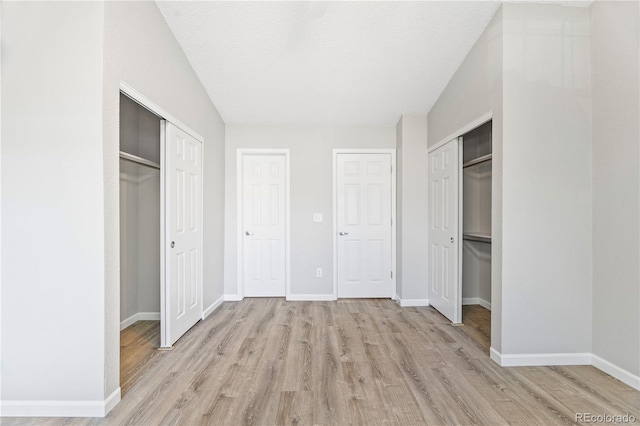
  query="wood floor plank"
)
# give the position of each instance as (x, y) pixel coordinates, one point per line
(360, 362)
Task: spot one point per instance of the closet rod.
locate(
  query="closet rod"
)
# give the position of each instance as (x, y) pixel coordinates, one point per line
(477, 161)
(139, 160)
(481, 238)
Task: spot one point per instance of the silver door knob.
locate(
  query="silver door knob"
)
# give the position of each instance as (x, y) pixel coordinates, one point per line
(343, 233)
(451, 240)
(248, 233)
(173, 244)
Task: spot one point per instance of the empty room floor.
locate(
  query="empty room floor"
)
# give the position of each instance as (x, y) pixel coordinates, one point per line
(369, 362)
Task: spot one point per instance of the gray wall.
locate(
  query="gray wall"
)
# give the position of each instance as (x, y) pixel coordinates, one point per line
(60, 185)
(546, 175)
(616, 182)
(52, 218)
(311, 192)
(140, 50)
(412, 202)
(531, 69)
(474, 90)
(139, 212)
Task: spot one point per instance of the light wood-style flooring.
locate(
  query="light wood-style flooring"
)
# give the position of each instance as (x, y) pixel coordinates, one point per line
(364, 362)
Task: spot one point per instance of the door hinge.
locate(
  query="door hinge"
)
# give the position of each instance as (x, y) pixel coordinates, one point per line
(391, 169)
(391, 274)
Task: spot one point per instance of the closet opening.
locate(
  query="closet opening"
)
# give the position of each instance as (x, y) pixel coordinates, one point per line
(476, 232)
(140, 238)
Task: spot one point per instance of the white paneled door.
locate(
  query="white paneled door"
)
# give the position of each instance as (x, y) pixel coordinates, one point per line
(263, 225)
(363, 224)
(444, 285)
(183, 219)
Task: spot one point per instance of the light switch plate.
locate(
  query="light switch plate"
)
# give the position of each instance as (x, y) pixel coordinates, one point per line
(317, 217)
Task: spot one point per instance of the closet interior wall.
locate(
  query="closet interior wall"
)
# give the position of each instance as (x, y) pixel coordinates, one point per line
(476, 189)
(139, 215)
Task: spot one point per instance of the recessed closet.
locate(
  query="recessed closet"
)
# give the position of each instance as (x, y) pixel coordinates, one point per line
(139, 213)
(476, 217)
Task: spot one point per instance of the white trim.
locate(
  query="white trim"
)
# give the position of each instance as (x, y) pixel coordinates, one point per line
(484, 304)
(412, 302)
(310, 297)
(392, 152)
(464, 129)
(141, 99)
(613, 370)
(239, 241)
(112, 400)
(233, 298)
(215, 305)
(495, 356)
(164, 303)
(532, 360)
(139, 316)
(522, 360)
(61, 408)
(476, 301)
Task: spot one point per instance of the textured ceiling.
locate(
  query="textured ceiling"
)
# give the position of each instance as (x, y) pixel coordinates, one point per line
(327, 63)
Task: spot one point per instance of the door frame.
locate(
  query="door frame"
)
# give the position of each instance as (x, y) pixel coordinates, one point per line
(165, 116)
(458, 135)
(392, 152)
(240, 153)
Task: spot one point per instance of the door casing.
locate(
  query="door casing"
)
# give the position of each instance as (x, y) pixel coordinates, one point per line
(392, 153)
(239, 217)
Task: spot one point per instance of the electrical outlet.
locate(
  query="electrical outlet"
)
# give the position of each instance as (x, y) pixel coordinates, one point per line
(317, 217)
(318, 272)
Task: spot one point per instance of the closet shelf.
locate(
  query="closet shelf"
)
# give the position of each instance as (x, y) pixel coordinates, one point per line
(139, 160)
(477, 236)
(478, 160)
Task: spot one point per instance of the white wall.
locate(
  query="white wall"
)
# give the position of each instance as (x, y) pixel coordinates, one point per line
(475, 90)
(61, 204)
(615, 77)
(311, 192)
(128, 242)
(53, 226)
(140, 50)
(412, 202)
(546, 192)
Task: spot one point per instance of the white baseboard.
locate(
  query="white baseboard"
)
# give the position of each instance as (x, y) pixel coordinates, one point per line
(61, 408)
(484, 304)
(412, 302)
(140, 316)
(232, 298)
(533, 360)
(112, 400)
(524, 360)
(619, 373)
(495, 356)
(310, 297)
(476, 301)
(212, 307)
